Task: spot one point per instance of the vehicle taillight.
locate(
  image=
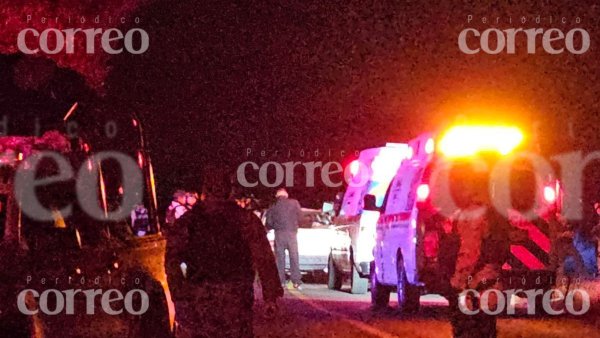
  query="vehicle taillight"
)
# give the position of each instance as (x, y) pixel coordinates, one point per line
(422, 192)
(549, 194)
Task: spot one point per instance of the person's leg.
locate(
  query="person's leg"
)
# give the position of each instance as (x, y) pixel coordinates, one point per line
(280, 245)
(294, 258)
(456, 316)
(237, 319)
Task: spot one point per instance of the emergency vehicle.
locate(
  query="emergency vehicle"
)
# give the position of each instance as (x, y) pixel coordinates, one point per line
(405, 225)
(77, 246)
(353, 239)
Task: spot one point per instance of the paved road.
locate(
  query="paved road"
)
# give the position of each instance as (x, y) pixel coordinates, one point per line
(318, 312)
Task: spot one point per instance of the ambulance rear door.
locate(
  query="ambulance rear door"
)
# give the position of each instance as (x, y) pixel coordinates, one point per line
(396, 229)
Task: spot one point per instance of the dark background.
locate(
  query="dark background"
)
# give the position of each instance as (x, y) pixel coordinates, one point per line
(283, 76)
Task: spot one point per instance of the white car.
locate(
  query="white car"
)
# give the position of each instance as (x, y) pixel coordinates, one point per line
(314, 241)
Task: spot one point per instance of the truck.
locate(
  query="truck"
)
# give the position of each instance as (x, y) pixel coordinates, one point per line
(43, 260)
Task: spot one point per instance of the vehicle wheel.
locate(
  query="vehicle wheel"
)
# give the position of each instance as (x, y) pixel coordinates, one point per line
(334, 277)
(380, 294)
(358, 285)
(408, 295)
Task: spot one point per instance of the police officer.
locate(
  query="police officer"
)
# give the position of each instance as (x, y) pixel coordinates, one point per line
(212, 256)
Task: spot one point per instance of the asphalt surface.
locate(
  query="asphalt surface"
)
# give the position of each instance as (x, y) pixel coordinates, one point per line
(316, 311)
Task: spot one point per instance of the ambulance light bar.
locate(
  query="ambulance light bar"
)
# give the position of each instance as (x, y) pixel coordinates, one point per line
(463, 141)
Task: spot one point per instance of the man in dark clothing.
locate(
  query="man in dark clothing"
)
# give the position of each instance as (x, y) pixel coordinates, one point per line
(212, 257)
(483, 248)
(283, 217)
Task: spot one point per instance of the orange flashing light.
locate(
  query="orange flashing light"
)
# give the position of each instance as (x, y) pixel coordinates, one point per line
(463, 141)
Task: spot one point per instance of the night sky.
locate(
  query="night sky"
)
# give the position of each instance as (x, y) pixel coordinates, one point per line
(219, 78)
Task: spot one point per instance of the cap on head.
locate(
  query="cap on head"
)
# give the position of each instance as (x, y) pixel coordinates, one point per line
(281, 193)
(178, 193)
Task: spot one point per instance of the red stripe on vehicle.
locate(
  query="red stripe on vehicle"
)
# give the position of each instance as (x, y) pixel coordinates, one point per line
(539, 238)
(526, 257)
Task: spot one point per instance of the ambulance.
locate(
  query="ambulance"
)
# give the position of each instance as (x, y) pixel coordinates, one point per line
(354, 234)
(405, 218)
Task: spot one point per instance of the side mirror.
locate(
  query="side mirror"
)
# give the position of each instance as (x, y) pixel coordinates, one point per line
(370, 203)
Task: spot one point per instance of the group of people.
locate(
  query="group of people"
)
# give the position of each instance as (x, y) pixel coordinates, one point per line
(182, 202)
(215, 249)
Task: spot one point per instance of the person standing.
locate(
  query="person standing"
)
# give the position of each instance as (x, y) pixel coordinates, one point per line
(484, 247)
(283, 217)
(177, 207)
(211, 260)
(140, 222)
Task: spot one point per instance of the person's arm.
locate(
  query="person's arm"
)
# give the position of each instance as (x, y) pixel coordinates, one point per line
(299, 214)
(262, 257)
(269, 219)
(180, 211)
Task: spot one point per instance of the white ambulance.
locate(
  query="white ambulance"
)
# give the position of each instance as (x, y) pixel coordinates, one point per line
(354, 228)
(406, 228)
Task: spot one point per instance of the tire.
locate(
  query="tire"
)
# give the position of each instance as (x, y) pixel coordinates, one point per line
(334, 277)
(380, 294)
(408, 295)
(358, 285)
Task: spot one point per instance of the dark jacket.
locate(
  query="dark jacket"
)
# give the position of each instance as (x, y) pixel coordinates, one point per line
(220, 243)
(284, 215)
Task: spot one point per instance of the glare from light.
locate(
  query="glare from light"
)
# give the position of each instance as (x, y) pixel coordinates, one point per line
(549, 194)
(386, 164)
(422, 192)
(463, 141)
(354, 166)
(409, 152)
(429, 146)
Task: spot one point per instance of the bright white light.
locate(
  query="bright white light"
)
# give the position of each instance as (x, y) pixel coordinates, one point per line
(422, 192)
(354, 167)
(429, 146)
(366, 237)
(549, 194)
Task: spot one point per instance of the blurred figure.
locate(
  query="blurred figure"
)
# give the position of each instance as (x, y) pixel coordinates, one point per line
(139, 220)
(191, 198)
(283, 217)
(484, 247)
(211, 261)
(177, 207)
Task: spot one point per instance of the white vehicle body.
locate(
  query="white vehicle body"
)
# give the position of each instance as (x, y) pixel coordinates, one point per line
(408, 222)
(355, 228)
(314, 242)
